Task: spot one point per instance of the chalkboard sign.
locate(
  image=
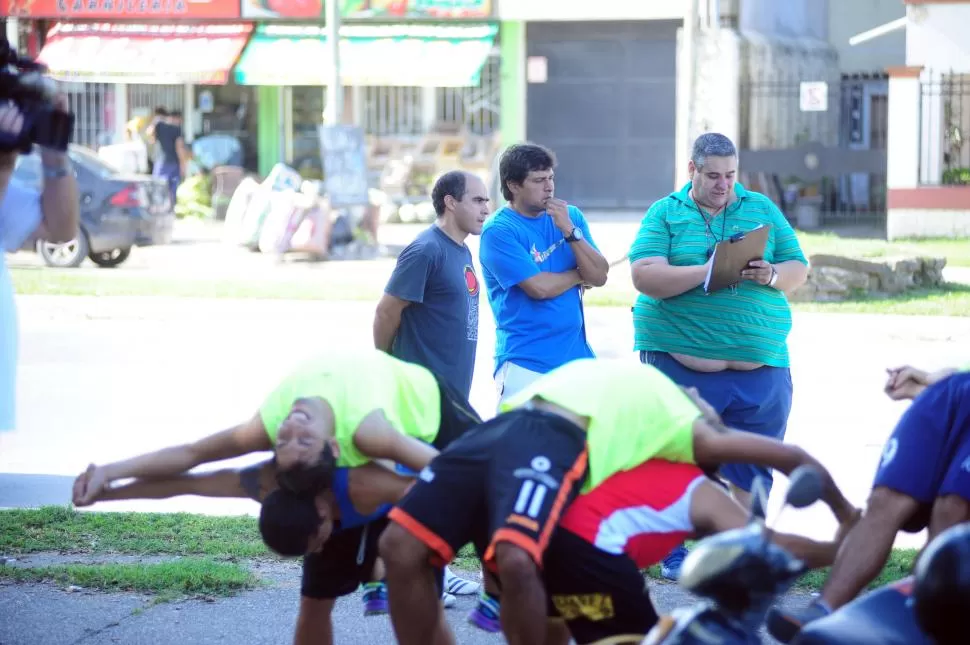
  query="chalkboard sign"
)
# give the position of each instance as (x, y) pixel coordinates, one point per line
(344, 164)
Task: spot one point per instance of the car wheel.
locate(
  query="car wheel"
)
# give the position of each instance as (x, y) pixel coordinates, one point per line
(108, 259)
(68, 255)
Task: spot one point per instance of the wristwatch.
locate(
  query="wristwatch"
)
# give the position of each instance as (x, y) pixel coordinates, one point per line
(575, 235)
(774, 276)
(55, 172)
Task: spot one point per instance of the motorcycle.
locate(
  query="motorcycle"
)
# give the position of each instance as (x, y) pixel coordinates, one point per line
(881, 617)
(738, 574)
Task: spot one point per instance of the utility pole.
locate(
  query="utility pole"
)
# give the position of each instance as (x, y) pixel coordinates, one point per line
(686, 70)
(333, 112)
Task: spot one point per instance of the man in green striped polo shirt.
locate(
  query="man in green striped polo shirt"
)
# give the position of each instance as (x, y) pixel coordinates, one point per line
(730, 344)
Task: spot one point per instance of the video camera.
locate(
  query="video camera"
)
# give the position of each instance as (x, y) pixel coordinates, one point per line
(23, 82)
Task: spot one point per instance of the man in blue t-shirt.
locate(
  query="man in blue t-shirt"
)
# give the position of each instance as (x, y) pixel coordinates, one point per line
(922, 482)
(537, 256)
(173, 154)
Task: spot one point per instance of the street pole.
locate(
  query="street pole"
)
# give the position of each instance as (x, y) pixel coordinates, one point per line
(686, 64)
(333, 112)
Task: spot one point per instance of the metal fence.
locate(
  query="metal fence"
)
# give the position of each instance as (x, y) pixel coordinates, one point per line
(93, 106)
(403, 111)
(817, 145)
(148, 97)
(944, 156)
(476, 109)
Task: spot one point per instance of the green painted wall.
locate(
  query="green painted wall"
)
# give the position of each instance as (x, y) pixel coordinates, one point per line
(512, 90)
(513, 86)
(268, 135)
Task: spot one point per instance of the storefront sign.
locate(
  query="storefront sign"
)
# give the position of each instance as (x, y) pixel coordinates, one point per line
(367, 9)
(120, 9)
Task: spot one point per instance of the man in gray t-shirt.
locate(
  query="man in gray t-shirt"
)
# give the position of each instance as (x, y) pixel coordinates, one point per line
(429, 312)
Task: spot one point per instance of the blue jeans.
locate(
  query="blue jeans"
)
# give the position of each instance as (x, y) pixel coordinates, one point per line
(171, 172)
(757, 401)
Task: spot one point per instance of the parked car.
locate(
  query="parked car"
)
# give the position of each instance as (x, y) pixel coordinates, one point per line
(118, 211)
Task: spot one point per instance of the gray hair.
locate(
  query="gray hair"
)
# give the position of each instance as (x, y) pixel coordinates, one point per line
(711, 144)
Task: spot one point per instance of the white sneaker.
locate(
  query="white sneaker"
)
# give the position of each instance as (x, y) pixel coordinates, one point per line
(460, 586)
(448, 600)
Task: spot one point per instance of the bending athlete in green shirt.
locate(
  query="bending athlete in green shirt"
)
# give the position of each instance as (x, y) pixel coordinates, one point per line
(346, 408)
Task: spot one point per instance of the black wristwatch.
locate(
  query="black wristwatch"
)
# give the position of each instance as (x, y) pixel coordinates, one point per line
(575, 235)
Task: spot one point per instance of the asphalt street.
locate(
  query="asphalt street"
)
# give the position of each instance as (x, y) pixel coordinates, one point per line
(105, 378)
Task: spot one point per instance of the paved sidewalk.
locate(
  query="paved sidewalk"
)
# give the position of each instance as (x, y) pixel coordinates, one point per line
(43, 614)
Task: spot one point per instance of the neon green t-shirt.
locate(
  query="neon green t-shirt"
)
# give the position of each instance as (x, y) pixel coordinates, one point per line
(635, 412)
(355, 384)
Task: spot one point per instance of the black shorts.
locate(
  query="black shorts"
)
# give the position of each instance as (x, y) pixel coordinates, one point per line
(457, 415)
(601, 596)
(507, 480)
(345, 562)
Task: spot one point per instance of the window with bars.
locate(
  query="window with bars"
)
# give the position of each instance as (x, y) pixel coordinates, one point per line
(944, 128)
(473, 109)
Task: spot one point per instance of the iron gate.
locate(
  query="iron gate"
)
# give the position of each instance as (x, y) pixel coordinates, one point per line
(822, 144)
(148, 97)
(93, 105)
(93, 108)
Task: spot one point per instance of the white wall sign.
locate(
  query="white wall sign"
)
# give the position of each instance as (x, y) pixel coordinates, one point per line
(813, 96)
(537, 69)
(206, 102)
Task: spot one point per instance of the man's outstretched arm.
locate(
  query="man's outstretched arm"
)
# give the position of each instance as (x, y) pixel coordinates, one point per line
(713, 510)
(716, 445)
(908, 382)
(243, 439)
(253, 482)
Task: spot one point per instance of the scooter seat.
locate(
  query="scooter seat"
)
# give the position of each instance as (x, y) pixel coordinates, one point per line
(882, 617)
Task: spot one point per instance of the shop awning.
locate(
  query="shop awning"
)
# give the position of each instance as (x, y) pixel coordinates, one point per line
(378, 55)
(156, 54)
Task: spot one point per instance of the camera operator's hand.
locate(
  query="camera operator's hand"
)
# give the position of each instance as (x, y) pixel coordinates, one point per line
(54, 158)
(60, 103)
(11, 119)
(11, 124)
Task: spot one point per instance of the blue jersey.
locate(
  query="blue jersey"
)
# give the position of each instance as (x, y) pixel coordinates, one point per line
(539, 335)
(349, 516)
(928, 454)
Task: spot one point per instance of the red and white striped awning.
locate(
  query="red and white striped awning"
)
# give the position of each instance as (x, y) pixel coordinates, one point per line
(155, 54)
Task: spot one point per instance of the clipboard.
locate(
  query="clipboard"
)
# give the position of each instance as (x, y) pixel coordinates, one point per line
(732, 256)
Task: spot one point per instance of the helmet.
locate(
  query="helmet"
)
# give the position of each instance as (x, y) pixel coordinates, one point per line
(941, 594)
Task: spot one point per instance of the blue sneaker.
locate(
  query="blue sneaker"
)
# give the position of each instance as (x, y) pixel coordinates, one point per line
(785, 625)
(485, 615)
(375, 598)
(670, 568)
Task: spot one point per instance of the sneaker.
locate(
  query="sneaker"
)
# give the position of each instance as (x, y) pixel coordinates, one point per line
(448, 600)
(459, 586)
(375, 598)
(485, 615)
(784, 625)
(670, 568)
